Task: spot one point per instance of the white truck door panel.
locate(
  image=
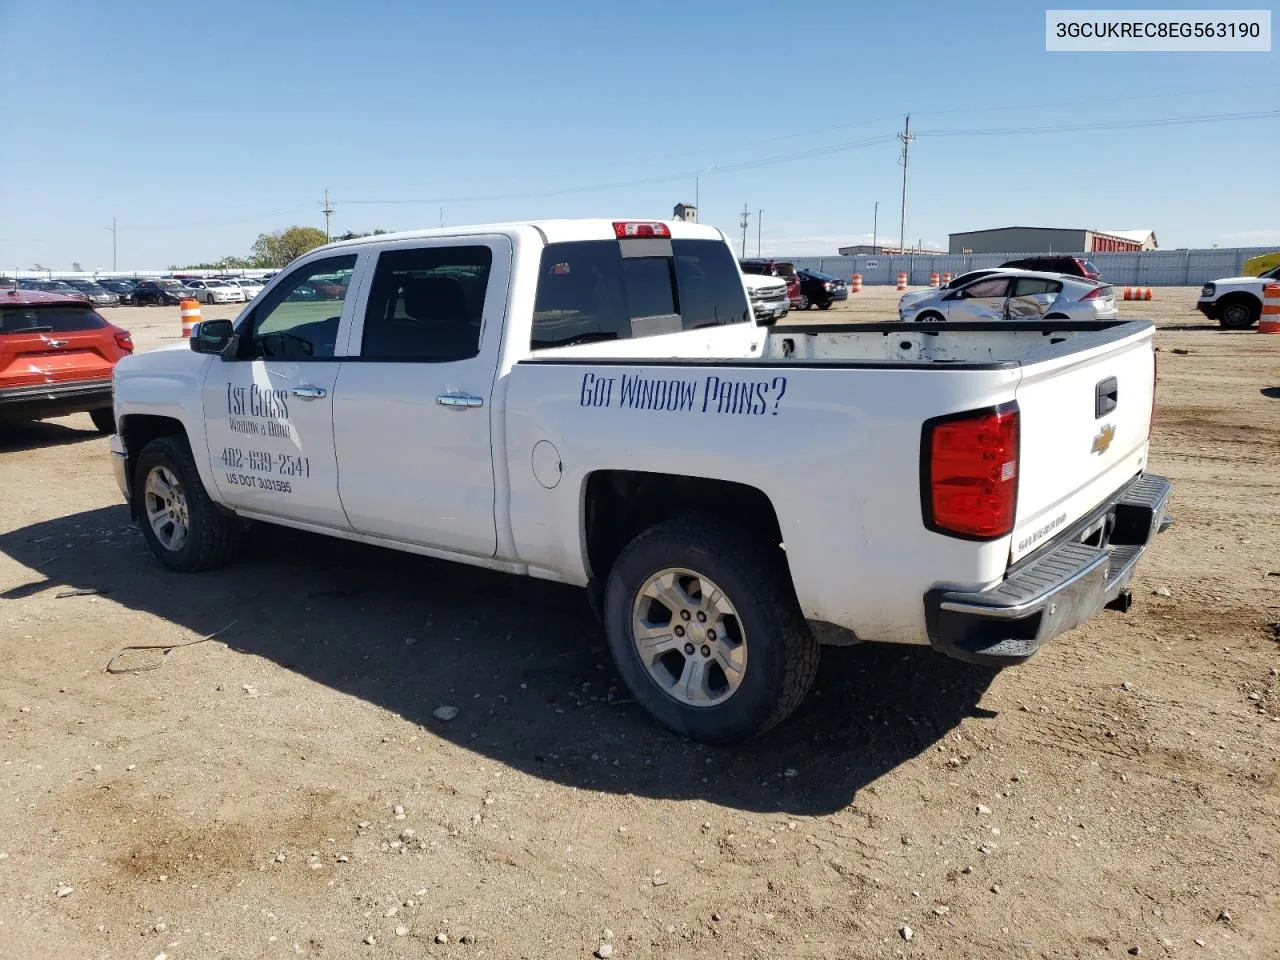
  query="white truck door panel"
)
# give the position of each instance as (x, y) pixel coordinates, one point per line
(269, 413)
(412, 416)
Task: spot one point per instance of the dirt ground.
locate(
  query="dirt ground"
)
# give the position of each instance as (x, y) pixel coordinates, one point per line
(1117, 795)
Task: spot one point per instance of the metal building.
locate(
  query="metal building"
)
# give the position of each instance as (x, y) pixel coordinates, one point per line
(1051, 240)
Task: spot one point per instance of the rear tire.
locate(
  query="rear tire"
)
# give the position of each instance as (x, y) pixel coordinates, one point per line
(104, 418)
(753, 674)
(180, 523)
(931, 316)
(1239, 314)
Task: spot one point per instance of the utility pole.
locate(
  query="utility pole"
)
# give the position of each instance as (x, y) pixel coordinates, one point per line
(112, 228)
(442, 216)
(875, 222)
(759, 227)
(906, 138)
(327, 211)
(746, 215)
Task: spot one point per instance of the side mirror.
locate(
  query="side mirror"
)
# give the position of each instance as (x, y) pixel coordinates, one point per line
(214, 336)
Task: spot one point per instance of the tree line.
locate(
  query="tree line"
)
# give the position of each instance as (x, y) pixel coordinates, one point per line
(274, 250)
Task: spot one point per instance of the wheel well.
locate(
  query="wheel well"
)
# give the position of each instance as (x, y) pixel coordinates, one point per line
(1238, 296)
(621, 504)
(1057, 316)
(139, 429)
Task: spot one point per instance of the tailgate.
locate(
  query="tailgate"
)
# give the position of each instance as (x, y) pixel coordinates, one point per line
(1085, 422)
(53, 357)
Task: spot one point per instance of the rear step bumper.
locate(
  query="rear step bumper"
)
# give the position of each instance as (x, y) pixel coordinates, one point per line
(1055, 590)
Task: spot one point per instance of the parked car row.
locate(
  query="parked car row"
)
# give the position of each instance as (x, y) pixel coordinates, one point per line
(161, 291)
(805, 288)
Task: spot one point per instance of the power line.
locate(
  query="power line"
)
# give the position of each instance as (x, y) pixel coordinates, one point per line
(1103, 125)
(906, 137)
(327, 211)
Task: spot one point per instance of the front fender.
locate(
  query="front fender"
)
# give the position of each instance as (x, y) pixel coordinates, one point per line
(167, 383)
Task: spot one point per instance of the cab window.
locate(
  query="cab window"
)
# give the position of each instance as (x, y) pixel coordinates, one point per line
(588, 291)
(426, 304)
(299, 319)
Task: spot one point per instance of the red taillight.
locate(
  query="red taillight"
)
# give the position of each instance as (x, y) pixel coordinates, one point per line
(124, 341)
(627, 229)
(970, 473)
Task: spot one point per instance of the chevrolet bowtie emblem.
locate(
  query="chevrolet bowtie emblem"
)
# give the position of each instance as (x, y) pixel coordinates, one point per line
(1103, 440)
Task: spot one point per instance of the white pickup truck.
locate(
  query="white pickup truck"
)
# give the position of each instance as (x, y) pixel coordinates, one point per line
(592, 402)
(1235, 302)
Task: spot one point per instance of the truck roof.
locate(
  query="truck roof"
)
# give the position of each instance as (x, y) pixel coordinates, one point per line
(554, 231)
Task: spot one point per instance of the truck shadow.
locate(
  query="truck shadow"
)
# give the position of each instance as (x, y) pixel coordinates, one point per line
(523, 660)
(34, 434)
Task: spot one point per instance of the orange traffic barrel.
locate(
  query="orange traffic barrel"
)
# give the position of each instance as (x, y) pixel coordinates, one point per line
(190, 315)
(857, 283)
(946, 278)
(1137, 293)
(902, 281)
(1269, 322)
(933, 279)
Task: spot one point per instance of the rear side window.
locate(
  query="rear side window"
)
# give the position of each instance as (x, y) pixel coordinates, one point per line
(587, 291)
(426, 304)
(1030, 286)
(63, 318)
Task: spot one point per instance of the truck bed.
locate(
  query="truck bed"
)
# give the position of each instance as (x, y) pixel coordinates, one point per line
(1003, 344)
(827, 421)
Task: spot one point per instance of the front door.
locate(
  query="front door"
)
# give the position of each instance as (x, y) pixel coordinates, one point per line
(412, 413)
(269, 411)
(981, 300)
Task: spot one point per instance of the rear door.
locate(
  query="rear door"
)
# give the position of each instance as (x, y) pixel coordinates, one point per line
(982, 300)
(1085, 422)
(412, 418)
(1031, 297)
(53, 343)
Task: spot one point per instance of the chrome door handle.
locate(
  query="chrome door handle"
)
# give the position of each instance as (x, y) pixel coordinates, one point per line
(308, 392)
(459, 401)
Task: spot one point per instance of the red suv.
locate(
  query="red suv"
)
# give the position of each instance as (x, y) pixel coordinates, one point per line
(783, 270)
(56, 357)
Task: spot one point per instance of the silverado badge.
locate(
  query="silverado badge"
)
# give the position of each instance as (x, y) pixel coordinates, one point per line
(1103, 439)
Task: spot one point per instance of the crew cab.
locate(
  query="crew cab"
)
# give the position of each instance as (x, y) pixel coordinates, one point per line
(593, 402)
(1235, 302)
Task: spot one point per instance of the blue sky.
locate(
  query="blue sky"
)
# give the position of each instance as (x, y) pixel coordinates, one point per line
(198, 128)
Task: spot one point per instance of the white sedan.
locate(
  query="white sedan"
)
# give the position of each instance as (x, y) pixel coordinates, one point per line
(1014, 295)
(250, 286)
(216, 291)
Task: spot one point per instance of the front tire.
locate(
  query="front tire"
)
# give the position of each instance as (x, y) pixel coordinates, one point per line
(931, 316)
(180, 523)
(104, 419)
(803, 303)
(705, 629)
(825, 306)
(1239, 315)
